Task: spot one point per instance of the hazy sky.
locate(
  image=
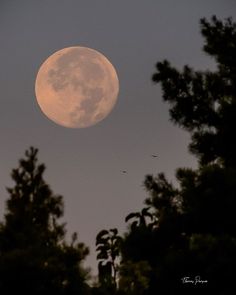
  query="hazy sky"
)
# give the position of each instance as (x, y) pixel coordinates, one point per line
(84, 165)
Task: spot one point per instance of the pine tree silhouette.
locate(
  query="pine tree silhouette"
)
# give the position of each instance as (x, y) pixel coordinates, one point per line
(34, 255)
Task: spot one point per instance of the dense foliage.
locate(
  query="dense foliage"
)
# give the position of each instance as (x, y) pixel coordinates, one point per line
(34, 255)
(185, 240)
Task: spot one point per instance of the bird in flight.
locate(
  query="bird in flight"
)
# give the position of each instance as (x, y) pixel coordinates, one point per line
(154, 156)
(124, 171)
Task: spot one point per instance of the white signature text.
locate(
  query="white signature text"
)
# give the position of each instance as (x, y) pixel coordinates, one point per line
(194, 280)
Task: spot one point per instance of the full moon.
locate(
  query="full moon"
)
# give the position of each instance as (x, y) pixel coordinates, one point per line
(76, 87)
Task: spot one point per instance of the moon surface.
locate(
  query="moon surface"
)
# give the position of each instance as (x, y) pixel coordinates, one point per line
(76, 87)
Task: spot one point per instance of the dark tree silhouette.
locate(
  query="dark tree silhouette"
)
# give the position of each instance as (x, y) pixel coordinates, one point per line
(140, 218)
(204, 102)
(195, 230)
(134, 278)
(108, 244)
(34, 255)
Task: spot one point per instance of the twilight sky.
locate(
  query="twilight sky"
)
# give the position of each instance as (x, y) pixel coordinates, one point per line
(84, 165)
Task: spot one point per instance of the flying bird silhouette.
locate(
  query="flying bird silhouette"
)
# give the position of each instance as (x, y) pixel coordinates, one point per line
(154, 156)
(124, 171)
